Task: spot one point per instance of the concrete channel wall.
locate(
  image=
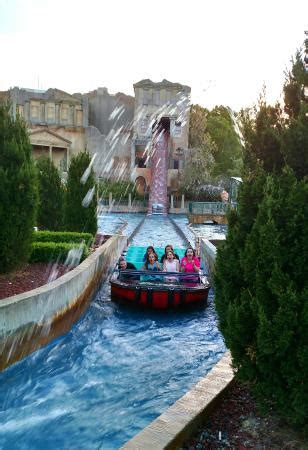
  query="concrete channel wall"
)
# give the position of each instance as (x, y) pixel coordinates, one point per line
(208, 250)
(182, 419)
(30, 320)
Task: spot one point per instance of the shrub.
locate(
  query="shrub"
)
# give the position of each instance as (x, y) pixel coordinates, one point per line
(56, 251)
(119, 190)
(64, 236)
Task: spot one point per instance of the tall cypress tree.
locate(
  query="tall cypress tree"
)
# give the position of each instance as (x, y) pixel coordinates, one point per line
(18, 191)
(80, 198)
(261, 286)
(50, 210)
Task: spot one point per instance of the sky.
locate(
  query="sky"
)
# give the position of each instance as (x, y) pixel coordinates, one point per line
(224, 50)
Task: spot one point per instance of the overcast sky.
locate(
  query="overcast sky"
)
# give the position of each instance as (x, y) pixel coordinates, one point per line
(224, 50)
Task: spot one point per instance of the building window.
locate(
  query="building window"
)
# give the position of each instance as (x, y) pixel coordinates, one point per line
(79, 118)
(168, 97)
(173, 98)
(144, 125)
(177, 131)
(64, 113)
(176, 164)
(34, 112)
(50, 113)
(147, 97)
(157, 98)
(140, 162)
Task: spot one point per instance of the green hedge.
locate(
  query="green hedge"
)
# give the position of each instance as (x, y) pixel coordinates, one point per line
(57, 251)
(120, 190)
(58, 236)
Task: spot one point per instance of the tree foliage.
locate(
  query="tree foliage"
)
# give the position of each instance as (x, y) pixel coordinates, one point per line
(18, 191)
(295, 80)
(198, 164)
(261, 272)
(228, 151)
(216, 150)
(50, 210)
(119, 189)
(80, 198)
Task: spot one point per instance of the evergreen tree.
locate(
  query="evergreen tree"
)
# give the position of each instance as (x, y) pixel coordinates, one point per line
(262, 128)
(295, 143)
(80, 198)
(50, 210)
(18, 192)
(262, 269)
(295, 80)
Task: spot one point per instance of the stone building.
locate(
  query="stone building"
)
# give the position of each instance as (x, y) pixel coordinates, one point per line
(154, 102)
(56, 121)
(109, 133)
(115, 129)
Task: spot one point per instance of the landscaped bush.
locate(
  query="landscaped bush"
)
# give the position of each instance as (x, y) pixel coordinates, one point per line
(65, 236)
(58, 251)
(119, 190)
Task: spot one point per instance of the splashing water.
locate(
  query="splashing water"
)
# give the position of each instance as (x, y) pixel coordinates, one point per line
(74, 256)
(88, 197)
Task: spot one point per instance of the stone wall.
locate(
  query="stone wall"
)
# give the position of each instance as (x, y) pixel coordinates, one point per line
(107, 111)
(30, 320)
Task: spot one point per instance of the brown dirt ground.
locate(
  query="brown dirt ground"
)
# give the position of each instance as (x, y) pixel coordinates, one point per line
(31, 276)
(237, 424)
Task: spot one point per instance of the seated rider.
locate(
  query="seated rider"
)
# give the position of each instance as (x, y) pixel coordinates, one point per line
(171, 265)
(127, 267)
(124, 265)
(190, 262)
(153, 265)
(164, 256)
(149, 250)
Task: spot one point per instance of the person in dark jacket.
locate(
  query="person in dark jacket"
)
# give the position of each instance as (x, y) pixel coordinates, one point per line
(124, 265)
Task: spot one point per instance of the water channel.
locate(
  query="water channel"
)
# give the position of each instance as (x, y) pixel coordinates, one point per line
(114, 372)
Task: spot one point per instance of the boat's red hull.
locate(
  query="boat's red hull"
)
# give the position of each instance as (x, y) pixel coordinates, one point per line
(159, 297)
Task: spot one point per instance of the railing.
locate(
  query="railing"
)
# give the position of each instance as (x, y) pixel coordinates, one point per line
(123, 202)
(218, 208)
(145, 277)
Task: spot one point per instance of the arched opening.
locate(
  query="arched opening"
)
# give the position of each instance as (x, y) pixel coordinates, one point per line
(140, 185)
(163, 124)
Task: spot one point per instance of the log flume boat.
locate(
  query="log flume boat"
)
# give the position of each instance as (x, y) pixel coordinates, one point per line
(158, 290)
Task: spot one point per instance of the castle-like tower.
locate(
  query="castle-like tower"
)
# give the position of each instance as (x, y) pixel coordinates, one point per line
(160, 137)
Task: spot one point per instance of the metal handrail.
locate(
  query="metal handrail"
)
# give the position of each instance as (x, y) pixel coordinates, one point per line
(219, 208)
(185, 277)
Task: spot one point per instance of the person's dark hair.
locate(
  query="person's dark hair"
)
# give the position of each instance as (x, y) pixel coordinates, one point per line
(147, 262)
(169, 245)
(150, 247)
(190, 248)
